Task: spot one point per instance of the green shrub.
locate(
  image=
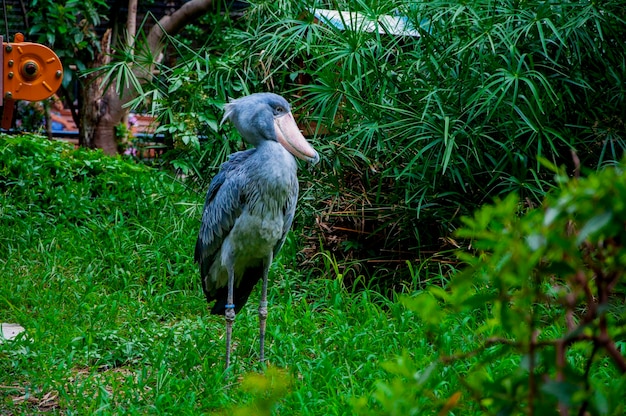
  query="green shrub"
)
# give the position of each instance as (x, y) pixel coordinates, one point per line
(53, 180)
(415, 132)
(540, 309)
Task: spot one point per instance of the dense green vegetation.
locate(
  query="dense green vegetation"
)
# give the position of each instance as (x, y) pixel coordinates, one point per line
(459, 250)
(96, 265)
(414, 131)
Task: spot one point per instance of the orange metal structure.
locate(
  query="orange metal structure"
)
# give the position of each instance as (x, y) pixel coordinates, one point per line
(29, 71)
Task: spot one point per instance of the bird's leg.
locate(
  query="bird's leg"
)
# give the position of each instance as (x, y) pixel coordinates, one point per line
(263, 307)
(230, 312)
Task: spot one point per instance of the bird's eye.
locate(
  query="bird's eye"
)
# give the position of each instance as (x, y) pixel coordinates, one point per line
(280, 109)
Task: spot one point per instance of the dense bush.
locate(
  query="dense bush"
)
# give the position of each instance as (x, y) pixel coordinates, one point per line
(50, 179)
(417, 131)
(547, 291)
(48, 187)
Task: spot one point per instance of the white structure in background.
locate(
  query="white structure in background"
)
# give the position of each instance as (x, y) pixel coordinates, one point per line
(10, 331)
(384, 24)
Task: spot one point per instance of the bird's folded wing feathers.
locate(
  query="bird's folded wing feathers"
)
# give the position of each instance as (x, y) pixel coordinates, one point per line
(290, 210)
(223, 205)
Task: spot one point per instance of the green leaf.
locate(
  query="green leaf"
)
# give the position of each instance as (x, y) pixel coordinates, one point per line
(562, 391)
(426, 306)
(593, 226)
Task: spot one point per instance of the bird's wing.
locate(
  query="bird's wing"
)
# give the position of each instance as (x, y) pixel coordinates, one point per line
(288, 212)
(224, 202)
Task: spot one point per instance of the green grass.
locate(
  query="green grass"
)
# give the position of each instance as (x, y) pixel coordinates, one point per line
(98, 267)
(96, 263)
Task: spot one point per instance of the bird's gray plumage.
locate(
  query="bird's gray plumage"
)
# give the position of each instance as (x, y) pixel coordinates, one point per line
(250, 203)
(250, 183)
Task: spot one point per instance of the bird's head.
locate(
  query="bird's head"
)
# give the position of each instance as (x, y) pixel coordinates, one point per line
(267, 116)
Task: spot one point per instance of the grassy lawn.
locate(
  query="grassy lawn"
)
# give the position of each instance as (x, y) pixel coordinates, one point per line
(96, 264)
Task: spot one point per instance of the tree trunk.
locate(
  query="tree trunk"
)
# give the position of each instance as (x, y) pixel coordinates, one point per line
(95, 114)
(101, 110)
(111, 114)
(131, 22)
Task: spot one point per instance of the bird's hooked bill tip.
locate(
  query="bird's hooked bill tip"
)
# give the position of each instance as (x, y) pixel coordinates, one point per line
(315, 159)
(289, 135)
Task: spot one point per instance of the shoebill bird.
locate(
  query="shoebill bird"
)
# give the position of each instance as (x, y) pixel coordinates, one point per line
(249, 207)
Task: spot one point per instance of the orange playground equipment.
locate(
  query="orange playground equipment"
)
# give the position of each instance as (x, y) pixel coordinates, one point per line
(29, 71)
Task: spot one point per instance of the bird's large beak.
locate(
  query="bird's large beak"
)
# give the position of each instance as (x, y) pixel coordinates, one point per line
(288, 134)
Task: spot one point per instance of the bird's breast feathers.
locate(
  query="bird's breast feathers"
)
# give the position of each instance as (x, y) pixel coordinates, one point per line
(261, 224)
(254, 235)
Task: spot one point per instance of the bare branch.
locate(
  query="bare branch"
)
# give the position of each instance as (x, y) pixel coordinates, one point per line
(173, 23)
(617, 357)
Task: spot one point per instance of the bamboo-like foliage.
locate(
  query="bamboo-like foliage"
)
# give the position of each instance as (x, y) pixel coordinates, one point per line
(415, 131)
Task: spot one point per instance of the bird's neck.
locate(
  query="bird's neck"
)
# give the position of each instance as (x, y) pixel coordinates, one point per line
(274, 152)
(278, 167)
